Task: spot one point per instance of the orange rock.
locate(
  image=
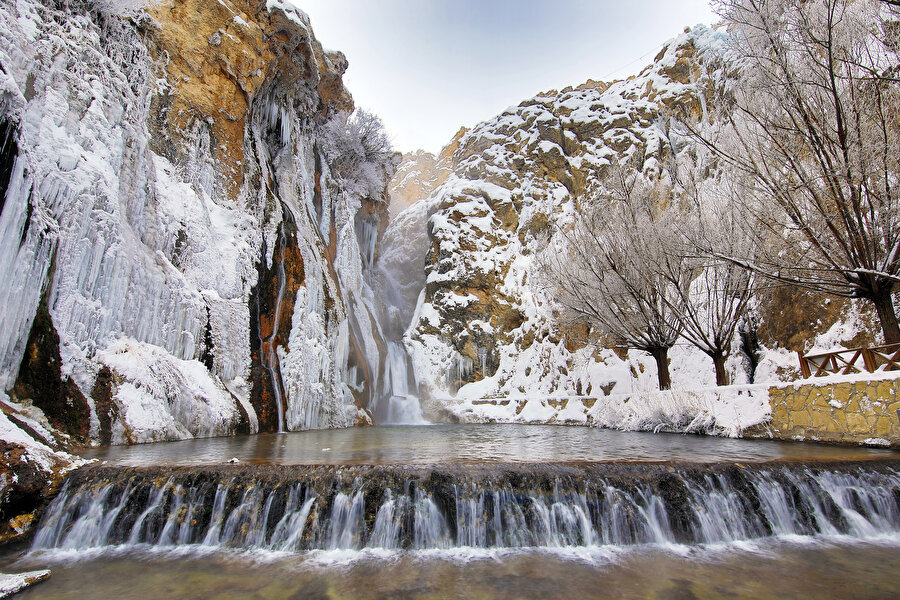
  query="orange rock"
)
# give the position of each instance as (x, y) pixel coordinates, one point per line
(217, 56)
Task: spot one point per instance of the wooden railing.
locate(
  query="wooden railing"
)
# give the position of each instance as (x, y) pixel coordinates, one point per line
(845, 362)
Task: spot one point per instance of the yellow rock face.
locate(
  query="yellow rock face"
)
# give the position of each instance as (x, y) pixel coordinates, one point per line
(217, 55)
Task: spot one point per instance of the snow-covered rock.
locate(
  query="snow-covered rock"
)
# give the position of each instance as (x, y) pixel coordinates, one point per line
(16, 582)
(483, 325)
(183, 245)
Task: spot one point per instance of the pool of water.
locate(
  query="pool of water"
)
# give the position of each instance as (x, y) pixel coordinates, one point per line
(471, 443)
(818, 570)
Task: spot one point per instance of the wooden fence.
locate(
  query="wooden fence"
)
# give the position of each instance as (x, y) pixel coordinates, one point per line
(845, 362)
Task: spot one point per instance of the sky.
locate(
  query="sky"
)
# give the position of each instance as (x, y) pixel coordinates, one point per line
(428, 67)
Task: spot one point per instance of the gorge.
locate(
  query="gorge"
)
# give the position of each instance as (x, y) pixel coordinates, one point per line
(210, 256)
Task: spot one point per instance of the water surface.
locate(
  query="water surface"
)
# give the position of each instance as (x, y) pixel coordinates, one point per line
(471, 443)
(772, 569)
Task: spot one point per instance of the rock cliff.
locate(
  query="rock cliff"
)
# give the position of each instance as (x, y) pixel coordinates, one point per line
(483, 324)
(187, 227)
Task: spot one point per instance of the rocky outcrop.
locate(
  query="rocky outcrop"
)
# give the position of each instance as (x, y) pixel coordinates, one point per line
(182, 231)
(32, 464)
(218, 57)
(484, 325)
(420, 173)
(484, 322)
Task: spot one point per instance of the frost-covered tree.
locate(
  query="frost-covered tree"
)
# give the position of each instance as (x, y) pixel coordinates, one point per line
(712, 306)
(630, 265)
(359, 153)
(814, 122)
(604, 269)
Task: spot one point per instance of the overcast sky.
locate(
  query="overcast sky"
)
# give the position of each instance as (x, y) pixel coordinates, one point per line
(428, 67)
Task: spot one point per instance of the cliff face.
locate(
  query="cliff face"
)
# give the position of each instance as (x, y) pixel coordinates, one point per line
(484, 324)
(420, 173)
(185, 243)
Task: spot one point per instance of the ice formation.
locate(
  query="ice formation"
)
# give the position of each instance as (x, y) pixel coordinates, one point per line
(151, 242)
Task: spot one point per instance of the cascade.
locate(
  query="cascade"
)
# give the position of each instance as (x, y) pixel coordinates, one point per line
(402, 403)
(534, 505)
(396, 399)
(270, 344)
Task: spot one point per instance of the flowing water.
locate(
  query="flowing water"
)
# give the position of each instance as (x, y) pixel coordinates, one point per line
(474, 512)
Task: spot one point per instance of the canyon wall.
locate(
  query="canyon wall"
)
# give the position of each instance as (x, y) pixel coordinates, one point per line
(188, 227)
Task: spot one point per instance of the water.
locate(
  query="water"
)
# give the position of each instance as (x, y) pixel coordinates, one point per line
(471, 443)
(403, 406)
(269, 345)
(776, 570)
(487, 511)
(613, 505)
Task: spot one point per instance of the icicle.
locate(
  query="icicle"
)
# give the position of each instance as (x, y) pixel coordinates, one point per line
(25, 254)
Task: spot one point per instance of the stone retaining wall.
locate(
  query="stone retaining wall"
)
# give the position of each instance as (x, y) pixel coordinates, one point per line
(835, 410)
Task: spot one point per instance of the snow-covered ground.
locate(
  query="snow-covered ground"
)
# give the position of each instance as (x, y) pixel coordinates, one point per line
(713, 411)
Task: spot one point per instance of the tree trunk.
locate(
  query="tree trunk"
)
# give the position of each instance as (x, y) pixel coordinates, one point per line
(661, 355)
(884, 305)
(719, 362)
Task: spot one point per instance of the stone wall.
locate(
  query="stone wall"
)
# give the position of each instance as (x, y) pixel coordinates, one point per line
(835, 410)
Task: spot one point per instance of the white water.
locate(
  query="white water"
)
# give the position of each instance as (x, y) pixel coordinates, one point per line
(583, 511)
(403, 406)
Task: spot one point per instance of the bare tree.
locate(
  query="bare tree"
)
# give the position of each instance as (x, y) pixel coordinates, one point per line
(814, 121)
(712, 305)
(603, 270)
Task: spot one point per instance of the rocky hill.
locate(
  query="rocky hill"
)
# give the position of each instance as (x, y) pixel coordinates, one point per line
(483, 325)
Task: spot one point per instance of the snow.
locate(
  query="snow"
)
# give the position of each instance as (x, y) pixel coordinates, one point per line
(876, 442)
(290, 11)
(194, 404)
(829, 380)
(716, 411)
(517, 159)
(16, 582)
(37, 452)
(152, 257)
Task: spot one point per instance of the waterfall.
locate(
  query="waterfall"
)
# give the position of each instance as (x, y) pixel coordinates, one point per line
(296, 509)
(270, 347)
(402, 404)
(396, 401)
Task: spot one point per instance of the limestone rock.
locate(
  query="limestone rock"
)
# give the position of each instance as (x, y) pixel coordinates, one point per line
(483, 318)
(420, 173)
(218, 57)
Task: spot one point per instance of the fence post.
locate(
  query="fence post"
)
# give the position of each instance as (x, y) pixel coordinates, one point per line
(869, 360)
(804, 366)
